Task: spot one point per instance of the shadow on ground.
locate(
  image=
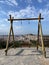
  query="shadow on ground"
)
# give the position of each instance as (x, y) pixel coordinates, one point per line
(20, 53)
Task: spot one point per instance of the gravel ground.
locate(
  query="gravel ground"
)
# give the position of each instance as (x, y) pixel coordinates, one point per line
(24, 56)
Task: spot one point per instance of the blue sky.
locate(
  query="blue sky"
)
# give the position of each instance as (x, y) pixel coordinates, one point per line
(24, 9)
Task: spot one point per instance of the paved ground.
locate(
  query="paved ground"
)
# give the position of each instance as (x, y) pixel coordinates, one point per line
(24, 56)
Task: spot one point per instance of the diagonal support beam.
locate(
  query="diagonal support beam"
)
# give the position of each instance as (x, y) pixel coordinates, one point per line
(11, 31)
(41, 36)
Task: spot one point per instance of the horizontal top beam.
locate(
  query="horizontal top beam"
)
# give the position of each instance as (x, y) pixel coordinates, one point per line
(24, 19)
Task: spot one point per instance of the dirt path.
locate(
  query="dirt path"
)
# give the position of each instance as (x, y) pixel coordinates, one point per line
(23, 56)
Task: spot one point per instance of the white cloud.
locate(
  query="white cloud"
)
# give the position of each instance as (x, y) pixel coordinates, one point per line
(45, 21)
(2, 12)
(3, 20)
(40, 1)
(45, 13)
(4, 29)
(47, 5)
(14, 2)
(28, 1)
(17, 27)
(10, 2)
(2, 25)
(32, 12)
(28, 12)
(1, 1)
(23, 13)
